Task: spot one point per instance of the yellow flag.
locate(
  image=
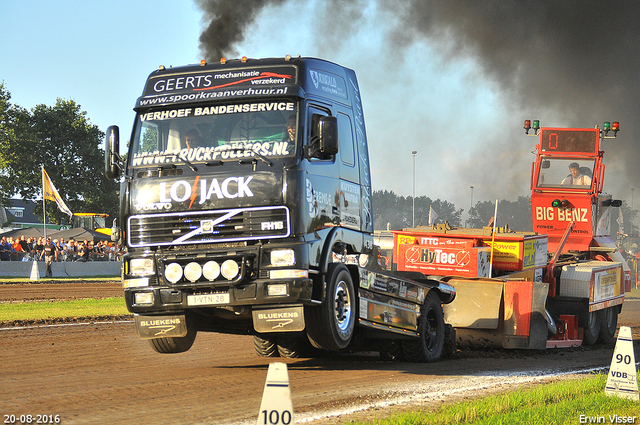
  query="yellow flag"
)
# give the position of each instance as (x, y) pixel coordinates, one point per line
(49, 192)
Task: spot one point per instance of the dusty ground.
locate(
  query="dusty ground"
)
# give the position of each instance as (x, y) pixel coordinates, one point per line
(97, 371)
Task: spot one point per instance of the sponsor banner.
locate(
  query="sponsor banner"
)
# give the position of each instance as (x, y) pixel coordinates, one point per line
(328, 83)
(209, 84)
(202, 192)
(467, 262)
(606, 284)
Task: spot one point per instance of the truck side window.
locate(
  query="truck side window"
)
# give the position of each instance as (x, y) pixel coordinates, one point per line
(345, 134)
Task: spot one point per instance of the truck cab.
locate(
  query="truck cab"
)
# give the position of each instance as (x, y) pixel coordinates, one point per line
(246, 202)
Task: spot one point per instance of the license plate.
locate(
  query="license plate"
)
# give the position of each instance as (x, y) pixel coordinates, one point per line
(208, 299)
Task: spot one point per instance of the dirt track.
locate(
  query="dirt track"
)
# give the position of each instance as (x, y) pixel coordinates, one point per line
(101, 372)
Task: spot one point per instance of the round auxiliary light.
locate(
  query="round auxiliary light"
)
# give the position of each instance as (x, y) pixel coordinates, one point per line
(173, 272)
(229, 269)
(556, 203)
(211, 270)
(193, 271)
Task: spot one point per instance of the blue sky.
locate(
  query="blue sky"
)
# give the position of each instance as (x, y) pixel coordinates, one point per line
(418, 97)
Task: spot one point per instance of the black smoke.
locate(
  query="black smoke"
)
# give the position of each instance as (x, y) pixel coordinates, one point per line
(567, 63)
(226, 23)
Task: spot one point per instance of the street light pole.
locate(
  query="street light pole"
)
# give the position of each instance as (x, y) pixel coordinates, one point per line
(471, 205)
(413, 223)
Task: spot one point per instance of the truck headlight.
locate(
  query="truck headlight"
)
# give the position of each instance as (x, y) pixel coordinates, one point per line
(193, 271)
(277, 290)
(283, 257)
(143, 298)
(229, 269)
(141, 266)
(173, 272)
(211, 270)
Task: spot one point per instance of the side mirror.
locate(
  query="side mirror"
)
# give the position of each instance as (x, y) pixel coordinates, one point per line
(112, 153)
(115, 231)
(328, 136)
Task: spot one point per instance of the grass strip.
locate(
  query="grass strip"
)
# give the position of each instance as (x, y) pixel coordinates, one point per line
(62, 309)
(573, 401)
(14, 280)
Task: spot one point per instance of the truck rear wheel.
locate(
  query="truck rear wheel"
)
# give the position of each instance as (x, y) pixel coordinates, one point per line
(592, 328)
(608, 325)
(172, 345)
(429, 345)
(330, 326)
(265, 347)
(390, 350)
(292, 345)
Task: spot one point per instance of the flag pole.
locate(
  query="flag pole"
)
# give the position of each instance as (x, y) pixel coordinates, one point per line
(44, 211)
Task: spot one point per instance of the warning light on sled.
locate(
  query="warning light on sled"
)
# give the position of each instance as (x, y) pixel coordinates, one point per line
(557, 203)
(529, 125)
(203, 62)
(223, 61)
(607, 127)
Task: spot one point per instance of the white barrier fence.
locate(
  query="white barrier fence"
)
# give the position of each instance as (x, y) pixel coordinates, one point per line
(61, 269)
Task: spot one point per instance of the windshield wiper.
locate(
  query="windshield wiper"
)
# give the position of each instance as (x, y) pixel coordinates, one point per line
(259, 155)
(186, 161)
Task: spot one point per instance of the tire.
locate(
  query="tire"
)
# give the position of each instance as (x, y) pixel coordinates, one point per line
(173, 345)
(592, 328)
(428, 347)
(608, 325)
(293, 346)
(330, 326)
(265, 347)
(449, 347)
(390, 350)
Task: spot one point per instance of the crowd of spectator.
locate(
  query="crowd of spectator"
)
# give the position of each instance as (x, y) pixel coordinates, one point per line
(34, 248)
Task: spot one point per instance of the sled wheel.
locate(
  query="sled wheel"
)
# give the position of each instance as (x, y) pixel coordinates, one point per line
(608, 325)
(330, 326)
(429, 345)
(265, 346)
(592, 328)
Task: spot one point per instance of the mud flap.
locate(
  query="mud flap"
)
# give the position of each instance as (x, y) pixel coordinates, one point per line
(149, 327)
(283, 319)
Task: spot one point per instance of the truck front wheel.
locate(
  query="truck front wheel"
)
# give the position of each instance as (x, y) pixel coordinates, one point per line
(265, 347)
(330, 326)
(171, 345)
(429, 345)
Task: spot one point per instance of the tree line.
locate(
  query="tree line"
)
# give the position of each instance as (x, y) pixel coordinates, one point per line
(62, 139)
(397, 212)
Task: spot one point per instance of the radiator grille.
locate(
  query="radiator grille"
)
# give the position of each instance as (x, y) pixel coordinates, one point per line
(197, 227)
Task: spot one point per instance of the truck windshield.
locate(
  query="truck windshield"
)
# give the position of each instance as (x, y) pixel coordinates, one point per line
(565, 172)
(215, 133)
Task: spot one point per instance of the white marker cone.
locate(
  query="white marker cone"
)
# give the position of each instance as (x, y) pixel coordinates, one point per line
(622, 381)
(276, 407)
(35, 273)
